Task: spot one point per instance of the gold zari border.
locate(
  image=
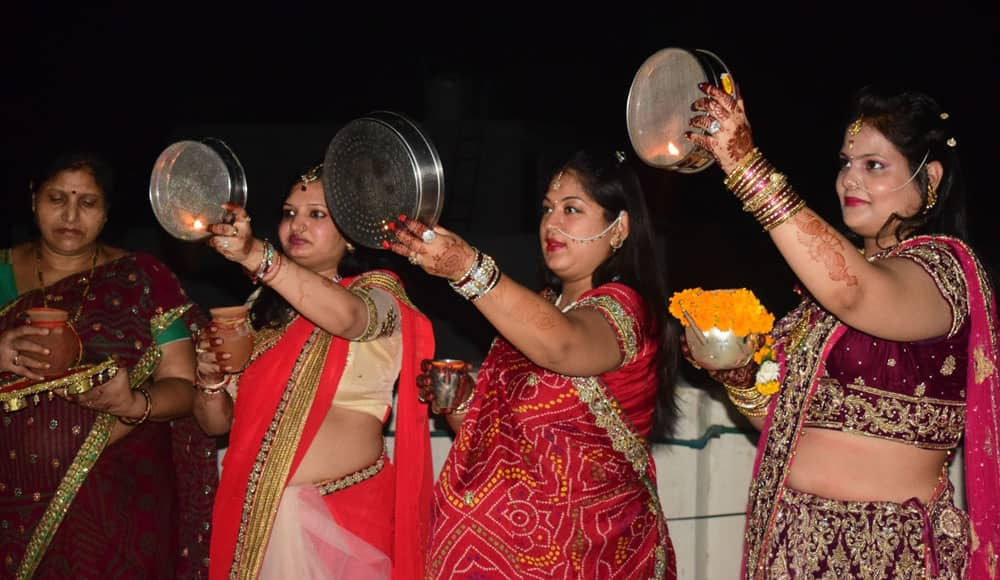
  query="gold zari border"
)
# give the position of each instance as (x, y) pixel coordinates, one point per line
(273, 463)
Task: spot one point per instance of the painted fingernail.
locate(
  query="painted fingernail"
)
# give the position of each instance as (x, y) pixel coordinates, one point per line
(392, 226)
(703, 85)
(402, 218)
(385, 244)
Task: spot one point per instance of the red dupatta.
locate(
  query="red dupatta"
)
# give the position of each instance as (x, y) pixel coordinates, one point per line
(283, 398)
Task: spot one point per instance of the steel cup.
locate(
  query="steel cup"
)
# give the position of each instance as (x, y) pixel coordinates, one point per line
(450, 383)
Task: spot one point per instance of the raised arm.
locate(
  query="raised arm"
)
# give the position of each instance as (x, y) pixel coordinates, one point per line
(578, 343)
(881, 298)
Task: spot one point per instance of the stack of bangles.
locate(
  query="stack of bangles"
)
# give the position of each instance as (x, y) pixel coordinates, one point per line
(270, 263)
(482, 277)
(764, 192)
(748, 400)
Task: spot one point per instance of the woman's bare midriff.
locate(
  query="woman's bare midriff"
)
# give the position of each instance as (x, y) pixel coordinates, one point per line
(848, 467)
(346, 442)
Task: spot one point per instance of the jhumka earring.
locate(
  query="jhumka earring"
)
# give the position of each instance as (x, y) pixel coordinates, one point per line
(932, 197)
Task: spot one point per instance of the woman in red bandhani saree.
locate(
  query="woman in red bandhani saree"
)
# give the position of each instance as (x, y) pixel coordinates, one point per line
(550, 474)
(308, 490)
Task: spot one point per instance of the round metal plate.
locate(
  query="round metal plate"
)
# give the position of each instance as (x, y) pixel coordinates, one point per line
(190, 182)
(377, 168)
(659, 107)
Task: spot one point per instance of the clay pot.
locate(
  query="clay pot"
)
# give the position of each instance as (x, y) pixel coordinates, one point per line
(62, 341)
(233, 327)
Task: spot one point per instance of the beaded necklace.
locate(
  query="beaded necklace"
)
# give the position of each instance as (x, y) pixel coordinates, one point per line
(86, 279)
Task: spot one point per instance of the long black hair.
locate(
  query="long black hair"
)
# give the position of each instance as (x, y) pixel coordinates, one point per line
(270, 309)
(923, 133)
(610, 180)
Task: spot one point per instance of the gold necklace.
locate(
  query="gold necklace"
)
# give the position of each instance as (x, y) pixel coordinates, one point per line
(87, 280)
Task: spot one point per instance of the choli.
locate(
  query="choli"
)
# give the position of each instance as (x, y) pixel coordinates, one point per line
(910, 392)
(375, 357)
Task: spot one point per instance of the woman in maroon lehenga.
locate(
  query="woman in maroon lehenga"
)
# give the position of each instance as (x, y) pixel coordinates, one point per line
(889, 361)
(101, 484)
(551, 475)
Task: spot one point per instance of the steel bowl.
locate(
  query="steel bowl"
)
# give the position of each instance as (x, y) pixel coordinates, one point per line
(718, 350)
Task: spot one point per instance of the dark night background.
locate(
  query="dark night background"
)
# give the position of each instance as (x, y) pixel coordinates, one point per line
(506, 92)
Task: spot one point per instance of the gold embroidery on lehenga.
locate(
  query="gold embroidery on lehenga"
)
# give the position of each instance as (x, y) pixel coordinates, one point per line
(942, 265)
(925, 422)
(984, 366)
(948, 366)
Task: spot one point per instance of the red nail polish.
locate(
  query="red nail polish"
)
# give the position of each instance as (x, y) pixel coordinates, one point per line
(386, 245)
(402, 218)
(392, 226)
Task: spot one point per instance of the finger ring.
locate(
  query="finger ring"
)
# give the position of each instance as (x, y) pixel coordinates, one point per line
(16, 360)
(428, 236)
(713, 127)
(224, 244)
(414, 259)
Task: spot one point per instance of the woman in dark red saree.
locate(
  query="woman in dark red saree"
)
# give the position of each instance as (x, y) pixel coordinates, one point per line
(105, 483)
(886, 366)
(308, 489)
(550, 474)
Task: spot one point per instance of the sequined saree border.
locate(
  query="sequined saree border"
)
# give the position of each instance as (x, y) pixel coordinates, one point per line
(273, 462)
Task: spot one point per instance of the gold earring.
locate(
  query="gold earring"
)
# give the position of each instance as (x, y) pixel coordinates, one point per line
(616, 242)
(932, 197)
(350, 247)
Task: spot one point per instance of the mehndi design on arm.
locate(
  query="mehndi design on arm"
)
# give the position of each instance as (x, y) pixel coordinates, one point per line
(824, 246)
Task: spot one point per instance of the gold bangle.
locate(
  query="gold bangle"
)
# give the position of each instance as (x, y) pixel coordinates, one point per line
(741, 166)
(786, 216)
(149, 409)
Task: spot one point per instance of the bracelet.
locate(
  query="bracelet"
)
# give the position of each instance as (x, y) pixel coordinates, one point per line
(748, 401)
(214, 388)
(266, 263)
(145, 415)
(765, 193)
(272, 273)
(482, 277)
(742, 165)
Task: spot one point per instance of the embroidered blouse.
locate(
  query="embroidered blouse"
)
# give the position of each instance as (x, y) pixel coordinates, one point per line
(910, 392)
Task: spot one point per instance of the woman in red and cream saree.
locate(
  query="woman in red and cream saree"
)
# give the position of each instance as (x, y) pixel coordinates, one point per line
(307, 487)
